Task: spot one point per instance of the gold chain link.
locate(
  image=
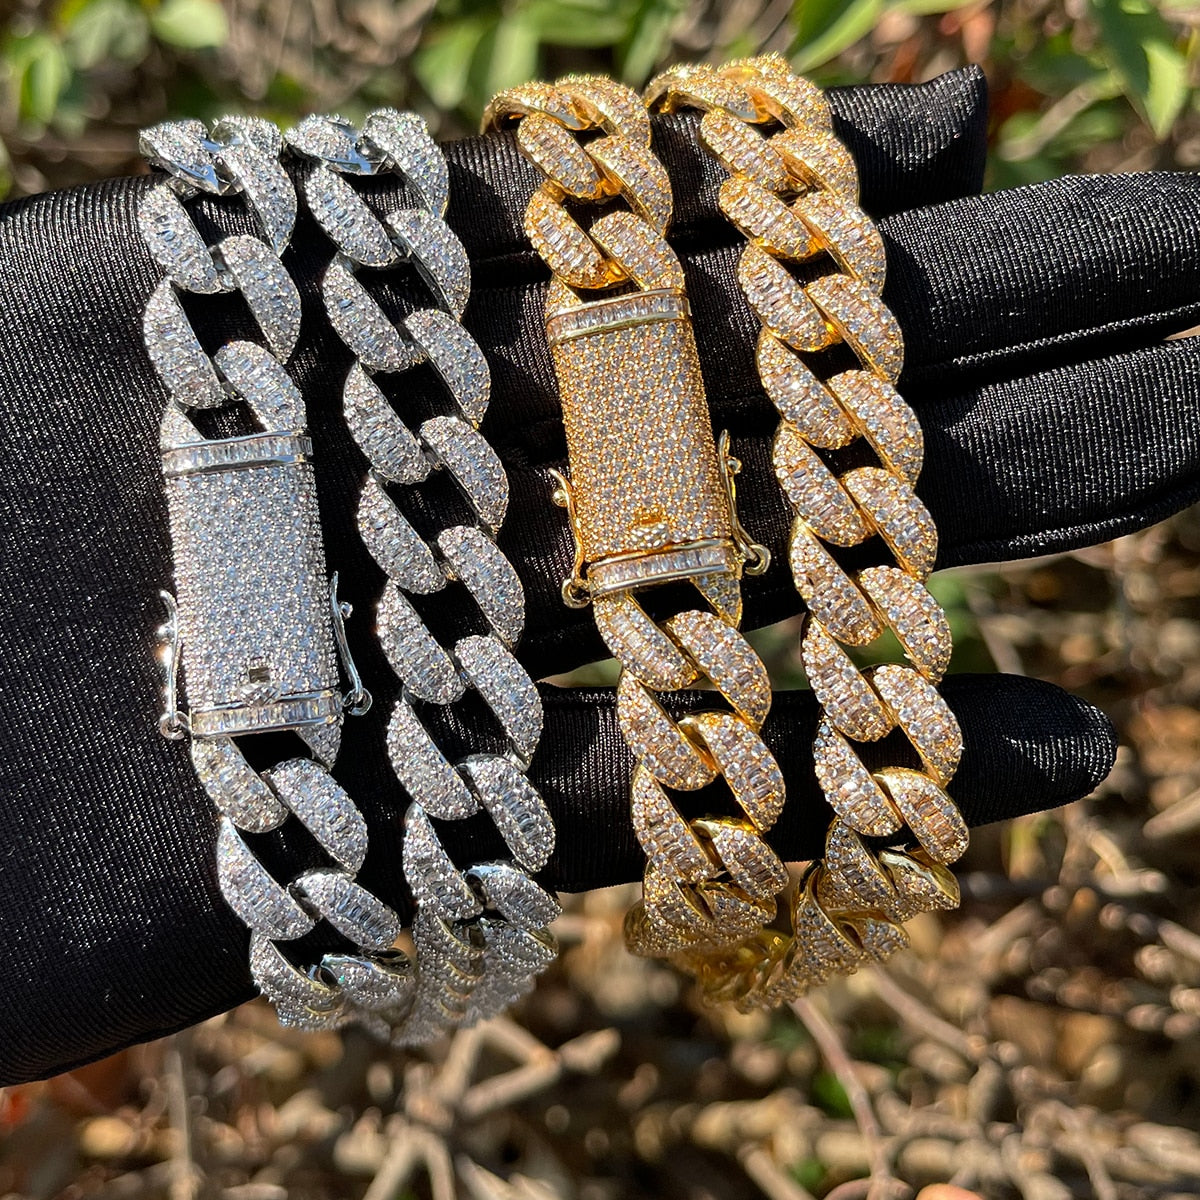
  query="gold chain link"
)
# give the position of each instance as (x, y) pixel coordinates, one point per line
(792, 191)
(710, 882)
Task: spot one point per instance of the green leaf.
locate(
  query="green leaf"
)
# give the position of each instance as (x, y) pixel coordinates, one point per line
(648, 37)
(824, 28)
(444, 61)
(1143, 52)
(829, 1096)
(105, 29)
(190, 24)
(40, 74)
(512, 55)
(583, 23)
(808, 1173)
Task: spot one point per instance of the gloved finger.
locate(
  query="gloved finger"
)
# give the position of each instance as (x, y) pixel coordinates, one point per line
(125, 936)
(1062, 426)
(1029, 746)
(914, 145)
(995, 287)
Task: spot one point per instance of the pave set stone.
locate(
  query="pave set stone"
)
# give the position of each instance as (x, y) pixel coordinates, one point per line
(552, 148)
(802, 399)
(792, 190)
(743, 151)
(247, 540)
(636, 173)
(563, 243)
(563, 325)
(656, 740)
(479, 933)
(633, 405)
(324, 807)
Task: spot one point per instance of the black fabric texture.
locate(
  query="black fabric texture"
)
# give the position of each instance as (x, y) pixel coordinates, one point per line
(1055, 417)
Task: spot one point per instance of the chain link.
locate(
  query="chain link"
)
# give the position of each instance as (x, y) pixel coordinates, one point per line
(792, 191)
(240, 158)
(480, 934)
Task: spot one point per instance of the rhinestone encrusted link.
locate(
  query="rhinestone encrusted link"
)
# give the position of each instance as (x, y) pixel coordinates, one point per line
(469, 962)
(404, 144)
(641, 646)
(234, 786)
(437, 254)
(472, 462)
(752, 864)
(362, 324)
(505, 687)
(470, 557)
(744, 760)
(801, 398)
(393, 449)
(792, 189)
(514, 895)
(818, 495)
(657, 741)
(725, 656)
(552, 148)
(667, 839)
(324, 807)
(348, 907)
(854, 793)
(928, 812)
(743, 151)
(175, 243)
(913, 615)
(780, 302)
(456, 357)
(840, 687)
(422, 665)
(424, 771)
(768, 221)
(262, 381)
(515, 805)
(832, 596)
(393, 542)
(925, 717)
(898, 515)
(175, 350)
(262, 904)
(267, 289)
(437, 884)
(348, 220)
(862, 321)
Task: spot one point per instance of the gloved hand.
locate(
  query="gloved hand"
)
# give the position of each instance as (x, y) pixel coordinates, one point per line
(1054, 417)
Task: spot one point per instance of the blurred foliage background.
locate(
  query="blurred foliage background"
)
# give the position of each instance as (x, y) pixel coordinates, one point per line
(1042, 1043)
(1076, 84)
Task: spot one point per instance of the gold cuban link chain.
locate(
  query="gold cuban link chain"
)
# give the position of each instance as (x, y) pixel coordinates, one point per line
(651, 502)
(792, 191)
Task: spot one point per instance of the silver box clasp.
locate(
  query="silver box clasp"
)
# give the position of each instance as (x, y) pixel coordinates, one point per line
(256, 625)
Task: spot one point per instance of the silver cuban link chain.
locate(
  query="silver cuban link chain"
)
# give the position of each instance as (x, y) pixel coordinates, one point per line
(479, 932)
(257, 626)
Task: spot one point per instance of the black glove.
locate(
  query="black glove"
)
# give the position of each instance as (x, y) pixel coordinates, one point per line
(116, 931)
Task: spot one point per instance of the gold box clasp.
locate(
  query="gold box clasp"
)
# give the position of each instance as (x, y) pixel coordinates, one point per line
(650, 498)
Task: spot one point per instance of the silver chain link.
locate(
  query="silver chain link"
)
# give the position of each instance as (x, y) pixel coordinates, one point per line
(375, 984)
(480, 933)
